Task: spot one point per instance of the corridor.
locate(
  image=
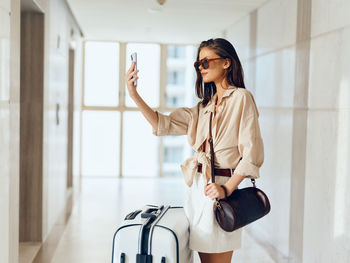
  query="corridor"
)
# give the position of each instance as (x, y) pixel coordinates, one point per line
(81, 146)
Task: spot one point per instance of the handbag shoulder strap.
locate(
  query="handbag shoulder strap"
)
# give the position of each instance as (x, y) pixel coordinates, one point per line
(212, 154)
(211, 150)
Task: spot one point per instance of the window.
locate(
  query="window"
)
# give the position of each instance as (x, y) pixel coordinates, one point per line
(173, 154)
(176, 78)
(180, 88)
(175, 100)
(140, 146)
(100, 143)
(110, 129)
(101, 76)
(176, 51)
(148, 62)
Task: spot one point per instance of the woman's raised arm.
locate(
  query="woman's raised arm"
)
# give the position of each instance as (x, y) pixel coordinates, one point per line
(150, 115)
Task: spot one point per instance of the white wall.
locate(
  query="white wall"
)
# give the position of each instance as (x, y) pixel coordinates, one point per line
(58, 24)
(265, 42)
(295, 55)
(9, 129)
(327, 237)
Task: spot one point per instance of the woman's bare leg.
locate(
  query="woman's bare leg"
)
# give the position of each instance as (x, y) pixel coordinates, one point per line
(224, 257)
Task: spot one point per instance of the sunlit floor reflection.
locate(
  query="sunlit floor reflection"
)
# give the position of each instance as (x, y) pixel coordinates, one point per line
(101, 204)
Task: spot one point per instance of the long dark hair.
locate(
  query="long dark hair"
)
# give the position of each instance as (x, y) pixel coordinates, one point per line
(234, 73)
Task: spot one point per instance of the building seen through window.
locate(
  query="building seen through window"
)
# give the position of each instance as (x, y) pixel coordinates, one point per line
(176, 51)
(180, 92)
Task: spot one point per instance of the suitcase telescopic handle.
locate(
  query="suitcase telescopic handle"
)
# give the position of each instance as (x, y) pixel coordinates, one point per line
(164, 210)
(147, 215)
(152, 212)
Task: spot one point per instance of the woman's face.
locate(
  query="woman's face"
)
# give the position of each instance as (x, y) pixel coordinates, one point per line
(216, 68)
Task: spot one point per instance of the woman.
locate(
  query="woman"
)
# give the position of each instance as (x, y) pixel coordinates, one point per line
(238, 146)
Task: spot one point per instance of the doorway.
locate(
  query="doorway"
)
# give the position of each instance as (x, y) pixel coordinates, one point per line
(31, 126)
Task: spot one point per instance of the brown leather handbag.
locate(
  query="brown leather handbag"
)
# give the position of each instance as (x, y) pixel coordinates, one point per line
(243, 206)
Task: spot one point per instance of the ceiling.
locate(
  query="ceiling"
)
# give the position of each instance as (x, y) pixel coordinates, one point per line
(177, 21)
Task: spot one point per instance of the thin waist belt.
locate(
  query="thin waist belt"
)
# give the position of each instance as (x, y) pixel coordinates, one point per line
(218, 171)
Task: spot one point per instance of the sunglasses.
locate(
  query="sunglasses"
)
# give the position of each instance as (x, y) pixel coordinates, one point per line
(204, 62)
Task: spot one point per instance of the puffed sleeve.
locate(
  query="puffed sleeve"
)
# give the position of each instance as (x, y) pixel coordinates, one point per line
(250, 143)
(176, 123)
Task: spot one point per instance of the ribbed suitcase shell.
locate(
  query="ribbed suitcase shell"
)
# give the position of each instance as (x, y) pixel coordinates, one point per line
(168, 241)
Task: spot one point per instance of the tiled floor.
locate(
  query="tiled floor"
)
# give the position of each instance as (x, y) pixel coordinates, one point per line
(102, 203)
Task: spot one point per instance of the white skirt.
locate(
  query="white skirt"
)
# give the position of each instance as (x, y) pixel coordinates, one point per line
(205, 233)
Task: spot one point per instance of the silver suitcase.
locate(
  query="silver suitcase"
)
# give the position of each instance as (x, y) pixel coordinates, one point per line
(153, 234)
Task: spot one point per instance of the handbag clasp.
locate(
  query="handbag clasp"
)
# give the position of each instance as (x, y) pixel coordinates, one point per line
(253, 181)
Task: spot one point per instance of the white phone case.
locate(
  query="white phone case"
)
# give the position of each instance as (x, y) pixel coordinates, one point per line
(134, 58)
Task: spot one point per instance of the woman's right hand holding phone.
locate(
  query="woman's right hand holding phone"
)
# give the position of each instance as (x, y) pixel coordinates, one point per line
(130, 78)
(150, 115)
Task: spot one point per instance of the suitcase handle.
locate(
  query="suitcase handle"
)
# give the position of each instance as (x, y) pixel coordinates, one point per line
(147, 215)
(152, 212)
(164, 210)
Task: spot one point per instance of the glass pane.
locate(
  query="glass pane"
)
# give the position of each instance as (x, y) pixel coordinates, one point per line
(180, 88)
(173, 154)
(100, 143)
(140, 146)
(101, 73)
(176, 77)
(176, 51)
(148, 62)
(175, 149)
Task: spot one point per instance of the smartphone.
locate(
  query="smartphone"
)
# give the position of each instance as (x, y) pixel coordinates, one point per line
(134, 58)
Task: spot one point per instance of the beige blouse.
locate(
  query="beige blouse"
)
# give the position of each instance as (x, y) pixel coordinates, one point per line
(236, 134)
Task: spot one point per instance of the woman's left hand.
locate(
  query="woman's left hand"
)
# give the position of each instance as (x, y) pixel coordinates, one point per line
(214, 190)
